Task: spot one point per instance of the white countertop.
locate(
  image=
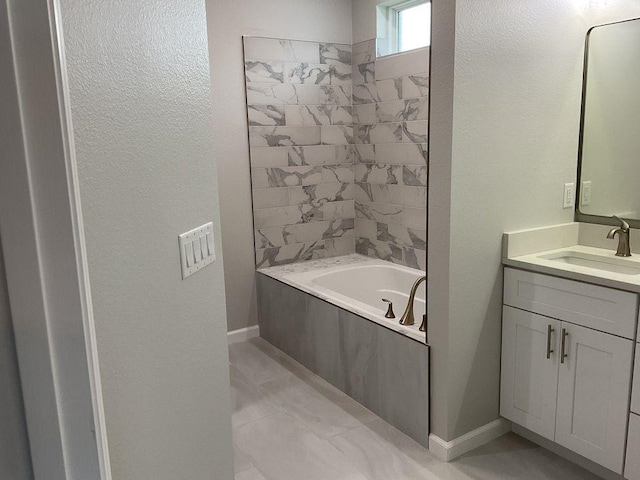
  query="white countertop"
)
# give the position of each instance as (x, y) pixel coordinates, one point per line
(536, 263)
(527, 249)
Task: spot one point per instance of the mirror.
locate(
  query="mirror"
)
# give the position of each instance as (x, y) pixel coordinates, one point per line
(609, 155)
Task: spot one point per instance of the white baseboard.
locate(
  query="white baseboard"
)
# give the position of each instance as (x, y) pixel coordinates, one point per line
(447, 451)
(243, 334)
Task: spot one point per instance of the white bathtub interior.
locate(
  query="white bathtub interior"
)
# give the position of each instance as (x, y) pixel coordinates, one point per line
(358, 284)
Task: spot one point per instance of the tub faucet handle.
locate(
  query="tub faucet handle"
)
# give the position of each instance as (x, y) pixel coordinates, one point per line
(389, 313)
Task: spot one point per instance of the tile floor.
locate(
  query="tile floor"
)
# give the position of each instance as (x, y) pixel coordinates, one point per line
(290, 424)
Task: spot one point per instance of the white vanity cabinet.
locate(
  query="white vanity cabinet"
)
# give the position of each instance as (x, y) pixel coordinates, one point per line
(632, 468)
(567, 367)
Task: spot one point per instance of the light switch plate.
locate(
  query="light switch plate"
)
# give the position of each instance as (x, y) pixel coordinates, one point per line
(197, 249)
(569, 195)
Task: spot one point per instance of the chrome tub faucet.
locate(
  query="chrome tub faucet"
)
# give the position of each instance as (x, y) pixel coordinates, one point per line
(624, 249)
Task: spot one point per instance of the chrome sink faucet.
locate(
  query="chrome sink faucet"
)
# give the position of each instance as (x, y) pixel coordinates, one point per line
(407, 317)
(624, 249)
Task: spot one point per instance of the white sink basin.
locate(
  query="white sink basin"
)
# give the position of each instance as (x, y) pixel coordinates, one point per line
(611, 264)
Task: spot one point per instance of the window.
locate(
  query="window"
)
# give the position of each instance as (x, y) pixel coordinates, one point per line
(403, 25)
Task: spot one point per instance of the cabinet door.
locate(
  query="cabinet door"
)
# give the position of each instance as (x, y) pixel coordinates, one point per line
(632, 470)
(593, 395)
(529, 379)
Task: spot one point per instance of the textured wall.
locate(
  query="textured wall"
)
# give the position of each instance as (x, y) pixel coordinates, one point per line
(313, 20)
(390, 132)
(300, 136)
(514, 120)
(15, 463)
(140, 96)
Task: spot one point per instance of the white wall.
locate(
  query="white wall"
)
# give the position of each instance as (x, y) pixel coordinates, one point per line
(516, 112)
(15, 461)
(365, 19)
(313, 20)
(140, 97)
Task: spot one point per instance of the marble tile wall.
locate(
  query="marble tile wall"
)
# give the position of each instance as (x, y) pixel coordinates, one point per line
(338, 146)
(390, 113)
(299, 111)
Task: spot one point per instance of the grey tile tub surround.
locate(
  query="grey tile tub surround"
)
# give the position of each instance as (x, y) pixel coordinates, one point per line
(390, 111)
(300, 137)
(383, 370)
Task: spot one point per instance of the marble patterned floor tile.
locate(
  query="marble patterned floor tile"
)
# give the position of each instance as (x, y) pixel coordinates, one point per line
(261, 362)
(382, 452)
(248, 402)
(251, 474)
(511, 457)
(316, 404)
(282, 449)
(240, 461)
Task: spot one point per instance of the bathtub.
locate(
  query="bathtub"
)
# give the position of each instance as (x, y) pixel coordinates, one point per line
(328, 315)
(358, 284)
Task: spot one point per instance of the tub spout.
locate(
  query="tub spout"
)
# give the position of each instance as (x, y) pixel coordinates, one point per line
(407, 317)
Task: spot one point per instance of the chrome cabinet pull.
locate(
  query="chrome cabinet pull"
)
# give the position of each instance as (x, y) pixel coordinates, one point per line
(550, 330)
(563, 351)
